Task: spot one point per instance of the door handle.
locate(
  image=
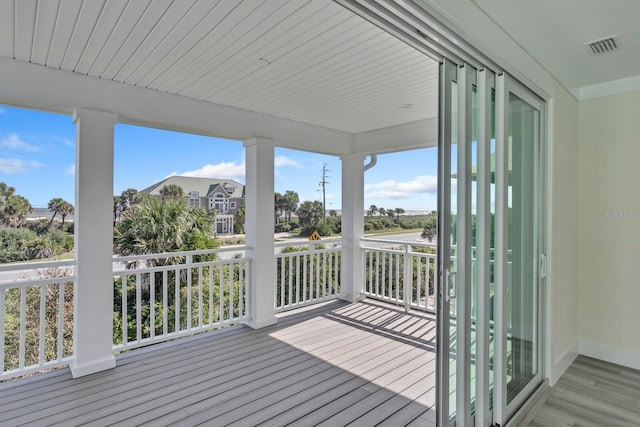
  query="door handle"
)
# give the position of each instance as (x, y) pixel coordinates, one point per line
(451, 285)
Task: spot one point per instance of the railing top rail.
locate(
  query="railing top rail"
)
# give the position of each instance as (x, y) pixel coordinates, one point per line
(398, 242)
(36, 265)
(26, 283)
(172, 267)
(308, 242)
(180, 254)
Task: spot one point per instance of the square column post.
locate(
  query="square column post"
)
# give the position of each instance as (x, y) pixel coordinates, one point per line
(258, 227)
(93, 293)
(352, 280)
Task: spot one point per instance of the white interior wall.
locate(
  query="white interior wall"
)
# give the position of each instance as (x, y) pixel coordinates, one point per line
(608, 240)
(562, 236)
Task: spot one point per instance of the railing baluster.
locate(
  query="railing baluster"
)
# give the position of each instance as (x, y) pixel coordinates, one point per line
(23, 327)
(43, 310)
(2, 310)
(290, 284)
(176, 301)
(165, 303)
(297, 279)
(230, 278)
(221, 292)
(240, 289)
(189, 290)
(125, 334)
(152, 305)
(199, 296)
(211, 272)
(419, 281)
(138, 307)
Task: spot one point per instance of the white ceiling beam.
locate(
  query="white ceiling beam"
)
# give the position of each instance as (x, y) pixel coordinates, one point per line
(37, 87)
(409, 136)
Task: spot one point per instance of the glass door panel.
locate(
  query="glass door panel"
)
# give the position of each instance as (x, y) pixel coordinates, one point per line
(522, 283)
(447, 256)
(517, 341)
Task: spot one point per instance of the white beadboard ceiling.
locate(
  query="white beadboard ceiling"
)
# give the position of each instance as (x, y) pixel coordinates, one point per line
(306, 60)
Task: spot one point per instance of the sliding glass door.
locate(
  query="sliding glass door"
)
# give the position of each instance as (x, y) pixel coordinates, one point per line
(489, 216)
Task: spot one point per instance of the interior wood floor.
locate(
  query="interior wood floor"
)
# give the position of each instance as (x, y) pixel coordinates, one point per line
(592, 393)
(361, 364)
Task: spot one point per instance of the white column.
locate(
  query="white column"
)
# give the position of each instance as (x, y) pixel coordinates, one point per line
(352, 226)
(259, 205)
(93, 293)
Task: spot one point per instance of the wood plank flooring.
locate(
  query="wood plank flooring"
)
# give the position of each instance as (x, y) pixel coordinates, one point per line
(592, 393)
(361, 364)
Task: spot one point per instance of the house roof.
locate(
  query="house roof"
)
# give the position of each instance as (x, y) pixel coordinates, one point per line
(204, 186)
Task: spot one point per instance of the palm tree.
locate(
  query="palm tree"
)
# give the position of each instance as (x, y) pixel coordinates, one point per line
(292, 200)
(398, 211)
(390, 214)
(373, 209)
(382, 211)
(279, 205)
(66, 208)
(157, 225)
(54, 206)
(172, 191)
(128, 197)
(16, 211)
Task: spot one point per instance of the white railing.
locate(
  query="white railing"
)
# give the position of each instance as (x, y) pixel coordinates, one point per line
(402, 273)
(36, 317)
(307, 273)
(164, 296)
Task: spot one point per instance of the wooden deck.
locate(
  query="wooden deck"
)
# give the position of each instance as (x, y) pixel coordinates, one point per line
(338, 364)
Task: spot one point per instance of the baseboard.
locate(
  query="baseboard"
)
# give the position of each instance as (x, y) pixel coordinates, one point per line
(563, 362)
(619, 356)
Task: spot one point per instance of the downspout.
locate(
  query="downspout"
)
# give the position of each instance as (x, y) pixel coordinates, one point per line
(373, 159)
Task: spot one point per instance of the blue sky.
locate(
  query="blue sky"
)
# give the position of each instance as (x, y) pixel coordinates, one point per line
(37, 158)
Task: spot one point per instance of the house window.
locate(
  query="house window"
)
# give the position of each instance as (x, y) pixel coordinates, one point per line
(221, 202)
(232, 205)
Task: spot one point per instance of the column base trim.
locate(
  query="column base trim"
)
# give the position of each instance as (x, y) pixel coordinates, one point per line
(353, 298)
(91, 368)
(261, 323)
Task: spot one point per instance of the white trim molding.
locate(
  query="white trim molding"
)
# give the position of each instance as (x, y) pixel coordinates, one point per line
(608, 353)
(614, 87)
(562, 363)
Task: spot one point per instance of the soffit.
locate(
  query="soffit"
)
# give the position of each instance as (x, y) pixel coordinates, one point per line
(309, 61)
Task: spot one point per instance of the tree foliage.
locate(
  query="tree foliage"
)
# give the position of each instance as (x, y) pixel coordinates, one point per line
(310, 214)
(14, 208)
(158, 225)
(172, 191)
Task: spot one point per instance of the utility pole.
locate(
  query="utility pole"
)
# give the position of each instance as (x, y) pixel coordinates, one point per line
(323, 184)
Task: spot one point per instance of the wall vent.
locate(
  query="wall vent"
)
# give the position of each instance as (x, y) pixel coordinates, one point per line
(606, 45)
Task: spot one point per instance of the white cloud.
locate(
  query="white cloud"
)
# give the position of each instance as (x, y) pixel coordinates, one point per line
(14, 143)
(12, 166)
(392, 189)
(67, 141)
(280, 161)
(229, 170)
(71, 170)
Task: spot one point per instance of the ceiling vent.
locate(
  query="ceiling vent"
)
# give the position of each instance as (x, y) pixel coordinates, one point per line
(606, 45)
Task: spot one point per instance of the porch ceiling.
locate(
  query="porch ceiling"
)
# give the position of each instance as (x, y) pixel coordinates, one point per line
(309, 61)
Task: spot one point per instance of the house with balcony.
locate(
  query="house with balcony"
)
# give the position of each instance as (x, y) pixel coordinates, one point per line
(222, 196)
(533, 108)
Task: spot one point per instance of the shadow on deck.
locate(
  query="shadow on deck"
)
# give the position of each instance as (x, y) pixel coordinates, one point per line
(366, 363)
